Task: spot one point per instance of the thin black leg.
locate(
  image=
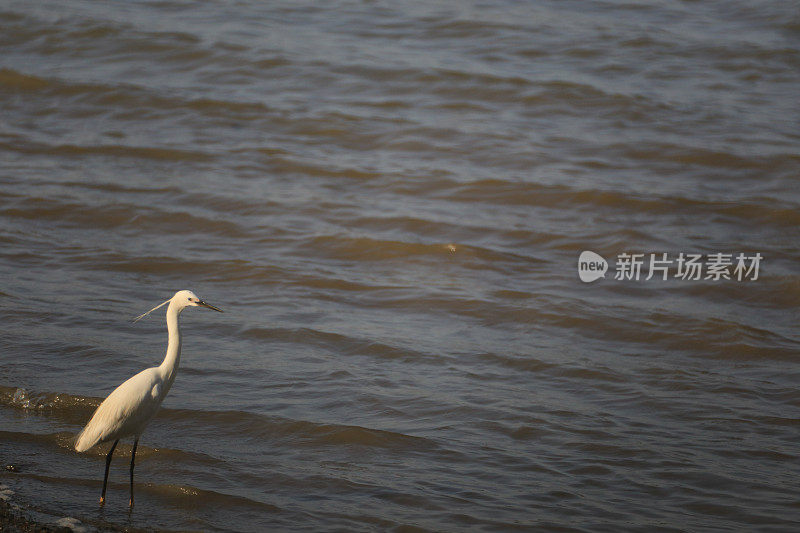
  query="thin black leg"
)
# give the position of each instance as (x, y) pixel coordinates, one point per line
(133, 458)
(105, 478)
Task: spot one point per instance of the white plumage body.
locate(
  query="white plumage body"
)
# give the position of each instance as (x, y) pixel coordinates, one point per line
(126, 411)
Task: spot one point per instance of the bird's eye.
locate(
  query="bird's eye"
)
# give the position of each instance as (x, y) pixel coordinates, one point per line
(190, 299)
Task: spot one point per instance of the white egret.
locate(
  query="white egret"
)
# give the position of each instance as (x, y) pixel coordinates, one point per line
(128, 409)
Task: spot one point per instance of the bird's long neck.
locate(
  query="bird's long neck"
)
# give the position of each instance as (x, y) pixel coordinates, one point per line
(169, 368)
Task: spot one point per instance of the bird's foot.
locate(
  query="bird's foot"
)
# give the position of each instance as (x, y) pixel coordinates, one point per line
(102, 500)
(130, 503)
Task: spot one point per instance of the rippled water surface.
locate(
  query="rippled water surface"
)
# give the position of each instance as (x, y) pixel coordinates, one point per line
(388, 199)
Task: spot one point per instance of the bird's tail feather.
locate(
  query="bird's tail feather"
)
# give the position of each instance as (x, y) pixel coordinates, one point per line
(82, 442)
(88, 436)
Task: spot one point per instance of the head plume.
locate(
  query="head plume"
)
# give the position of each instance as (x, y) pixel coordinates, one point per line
(138, 318)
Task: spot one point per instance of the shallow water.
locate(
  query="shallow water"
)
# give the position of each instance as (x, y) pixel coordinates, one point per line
(389, 201)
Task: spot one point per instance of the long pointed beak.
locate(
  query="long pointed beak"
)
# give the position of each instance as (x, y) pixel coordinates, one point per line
(201, 303)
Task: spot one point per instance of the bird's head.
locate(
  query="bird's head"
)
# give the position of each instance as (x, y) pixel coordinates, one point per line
(183, 299)
(179, 302)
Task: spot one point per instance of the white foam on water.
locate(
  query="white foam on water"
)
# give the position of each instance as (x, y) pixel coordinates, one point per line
(72, 523)
(5, 492)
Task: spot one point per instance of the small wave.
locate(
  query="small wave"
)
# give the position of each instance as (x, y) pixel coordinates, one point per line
(60, 440)
(297, 432)
(285, 165)
(527, 364)
(236, 424)
(186, 496)
(189, 213)
(178, 495)
(341, 344)
(106, 150)
(117, 188)
(119, 262)
(20, 398)
(357, 248)
(123, 97)
(693, 156)
(571, 98)
(730, 340)
(767, 210)
(12, 79)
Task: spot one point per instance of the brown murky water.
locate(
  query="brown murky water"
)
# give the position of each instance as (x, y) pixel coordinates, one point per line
(389, 200)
